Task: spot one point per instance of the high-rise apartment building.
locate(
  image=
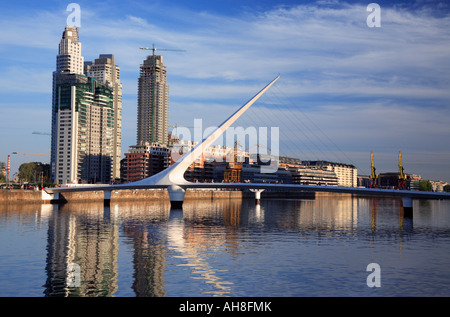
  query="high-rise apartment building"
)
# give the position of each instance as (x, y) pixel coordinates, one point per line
(153, 102)
(83, 130)
(151, 153)
(69, 59)
(105, 69)
(83, 118)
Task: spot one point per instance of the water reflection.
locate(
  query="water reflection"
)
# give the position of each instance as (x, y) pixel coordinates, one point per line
(199, 245)
(84, 234)
(140, 226)
(193, 244)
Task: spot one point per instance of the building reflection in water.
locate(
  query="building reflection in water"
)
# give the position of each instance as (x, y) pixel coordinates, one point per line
(86, 235)
(140, 224)
(90, 235)
(194, 235)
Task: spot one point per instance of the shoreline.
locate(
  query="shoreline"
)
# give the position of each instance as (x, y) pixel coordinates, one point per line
(35, 196)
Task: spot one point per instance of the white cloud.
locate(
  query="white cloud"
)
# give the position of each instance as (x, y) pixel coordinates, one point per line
(322, 51)
(325, 42)
(137, 20)
(22, 79)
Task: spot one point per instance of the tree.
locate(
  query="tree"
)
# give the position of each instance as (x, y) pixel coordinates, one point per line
(425, 186)
(26, 172)
(2, 170)
(447, 188)
(32, 172)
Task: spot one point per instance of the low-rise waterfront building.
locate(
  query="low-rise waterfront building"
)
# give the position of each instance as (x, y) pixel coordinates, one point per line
(254, 173)
(145, 160)
(347, 174)
(313, 176)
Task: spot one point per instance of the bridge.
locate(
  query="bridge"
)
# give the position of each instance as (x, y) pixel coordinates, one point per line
(173, 179)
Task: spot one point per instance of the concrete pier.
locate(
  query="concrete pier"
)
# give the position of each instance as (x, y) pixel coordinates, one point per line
(407, 207)
(257, 195)
(176, 196)
(107, 197)
(49, 198)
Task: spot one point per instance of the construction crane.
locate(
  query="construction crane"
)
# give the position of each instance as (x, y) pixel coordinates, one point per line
(153, 49)
(42, 133)
(176, 127)
(257, 146)
(258, 155)
(233, 170)
(31, 154)
(153, 72)
(373, 175)
(401, 174)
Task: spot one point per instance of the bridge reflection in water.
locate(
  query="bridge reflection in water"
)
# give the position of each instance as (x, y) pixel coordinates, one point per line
(146, 240)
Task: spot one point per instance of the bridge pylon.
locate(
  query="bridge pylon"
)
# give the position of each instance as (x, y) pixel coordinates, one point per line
(257, 192)
(173, 176)
(407, 203)
(176, 196)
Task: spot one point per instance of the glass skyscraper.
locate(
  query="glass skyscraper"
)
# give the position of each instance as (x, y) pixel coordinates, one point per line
(84, 119)
(105, 69)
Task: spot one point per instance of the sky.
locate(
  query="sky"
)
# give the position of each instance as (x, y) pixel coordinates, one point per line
(345, 89)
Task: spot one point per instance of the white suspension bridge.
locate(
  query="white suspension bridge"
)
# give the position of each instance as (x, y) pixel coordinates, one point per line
(173, 179)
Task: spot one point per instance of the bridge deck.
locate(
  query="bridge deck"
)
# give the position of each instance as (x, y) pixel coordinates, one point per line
(265, 186)
(173, 175)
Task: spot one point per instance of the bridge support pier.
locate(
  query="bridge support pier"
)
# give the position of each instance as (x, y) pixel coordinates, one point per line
(257, 195)
(176, 195)
(50, 198)
(407, 207)
(107, 197)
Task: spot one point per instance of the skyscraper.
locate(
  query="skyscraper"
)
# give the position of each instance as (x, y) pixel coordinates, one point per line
(105, 69)
(153, 102)
(69, 59)
(151, 153)
(83, 119)
(83, 130)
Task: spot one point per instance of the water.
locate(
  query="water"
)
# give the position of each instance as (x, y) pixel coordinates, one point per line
(282, 248)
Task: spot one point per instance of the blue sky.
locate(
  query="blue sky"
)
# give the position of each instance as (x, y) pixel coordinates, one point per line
(345, 89)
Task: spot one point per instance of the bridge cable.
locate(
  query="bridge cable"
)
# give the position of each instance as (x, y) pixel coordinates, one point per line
(316, 126)
(258, 113)
(295, 123)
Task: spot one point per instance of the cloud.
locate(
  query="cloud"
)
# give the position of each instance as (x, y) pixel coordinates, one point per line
(320, 42)
(22, 79)
(137, 20)
(341, 72)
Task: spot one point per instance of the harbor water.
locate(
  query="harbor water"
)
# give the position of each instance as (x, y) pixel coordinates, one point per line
(325, 246)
